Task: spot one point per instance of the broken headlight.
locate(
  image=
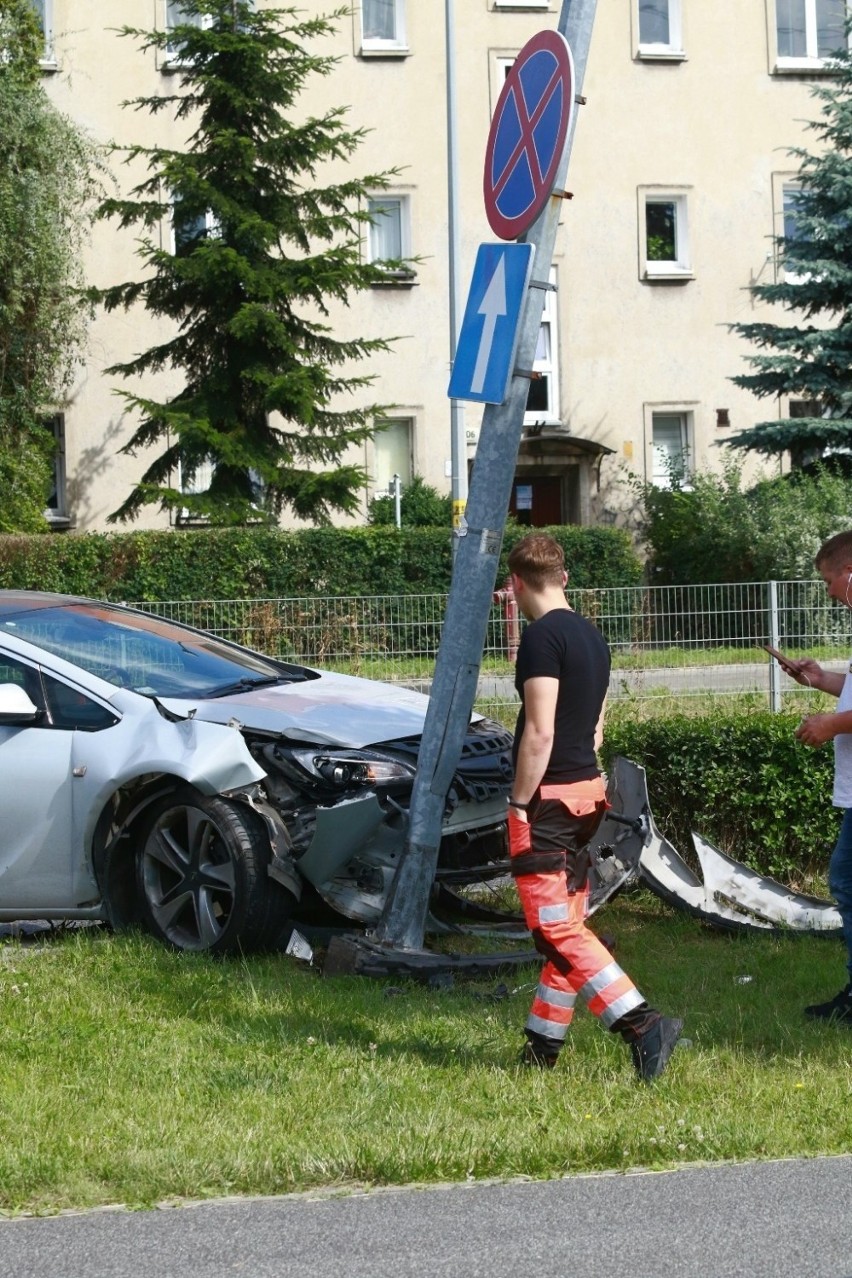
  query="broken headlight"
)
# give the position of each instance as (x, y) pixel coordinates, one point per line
(354, 769)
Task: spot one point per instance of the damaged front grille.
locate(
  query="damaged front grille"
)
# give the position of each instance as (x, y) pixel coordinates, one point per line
(485, 767)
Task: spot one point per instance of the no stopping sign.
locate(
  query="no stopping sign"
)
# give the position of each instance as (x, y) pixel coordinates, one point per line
(528, 134)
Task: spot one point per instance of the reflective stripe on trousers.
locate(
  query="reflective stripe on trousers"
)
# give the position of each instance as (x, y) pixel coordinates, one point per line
(577, 963)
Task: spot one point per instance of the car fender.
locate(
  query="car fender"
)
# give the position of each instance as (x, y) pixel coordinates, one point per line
(211, 757)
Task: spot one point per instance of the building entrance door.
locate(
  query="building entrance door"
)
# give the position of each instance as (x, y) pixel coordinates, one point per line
(537, 503)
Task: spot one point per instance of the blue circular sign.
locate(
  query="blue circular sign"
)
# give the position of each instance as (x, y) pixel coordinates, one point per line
(528, 134)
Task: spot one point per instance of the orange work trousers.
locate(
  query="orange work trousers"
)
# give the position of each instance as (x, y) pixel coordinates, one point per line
(550, 863)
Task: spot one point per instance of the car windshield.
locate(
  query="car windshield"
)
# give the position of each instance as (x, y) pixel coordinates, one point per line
(145, 653)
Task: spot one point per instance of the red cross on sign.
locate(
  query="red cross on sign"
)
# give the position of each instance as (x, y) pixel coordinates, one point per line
(528, 134)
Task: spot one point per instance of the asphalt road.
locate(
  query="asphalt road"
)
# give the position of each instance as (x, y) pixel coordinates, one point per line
(673, 679)
(786, 1219)
(682, 680)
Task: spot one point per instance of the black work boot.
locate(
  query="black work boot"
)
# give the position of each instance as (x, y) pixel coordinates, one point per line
(652, 1048)
(838, 1008)
(539, 1054)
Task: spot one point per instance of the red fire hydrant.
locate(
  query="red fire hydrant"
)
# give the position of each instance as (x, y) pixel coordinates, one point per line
(506, 597)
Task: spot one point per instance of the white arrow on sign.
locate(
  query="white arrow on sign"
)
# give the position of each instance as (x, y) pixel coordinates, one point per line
(492, 306)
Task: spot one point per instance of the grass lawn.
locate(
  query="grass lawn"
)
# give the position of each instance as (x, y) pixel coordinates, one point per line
(624, 657)
(130, 1074)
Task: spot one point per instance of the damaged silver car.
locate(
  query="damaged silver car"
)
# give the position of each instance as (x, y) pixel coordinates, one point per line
(152, 773)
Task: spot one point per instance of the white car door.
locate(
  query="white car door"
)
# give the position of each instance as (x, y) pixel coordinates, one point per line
(36, 852)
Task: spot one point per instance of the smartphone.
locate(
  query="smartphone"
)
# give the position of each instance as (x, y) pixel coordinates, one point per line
(779, 656)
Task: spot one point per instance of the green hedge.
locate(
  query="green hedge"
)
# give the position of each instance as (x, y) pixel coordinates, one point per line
(256, 563)
(739, 779)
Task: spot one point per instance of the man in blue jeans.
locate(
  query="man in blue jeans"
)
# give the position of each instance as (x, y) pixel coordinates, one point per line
(834, 561)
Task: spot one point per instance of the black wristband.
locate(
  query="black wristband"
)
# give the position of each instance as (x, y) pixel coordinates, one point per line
(513, 803)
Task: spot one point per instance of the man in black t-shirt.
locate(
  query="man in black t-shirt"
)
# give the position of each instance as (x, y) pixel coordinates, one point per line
(558, 801)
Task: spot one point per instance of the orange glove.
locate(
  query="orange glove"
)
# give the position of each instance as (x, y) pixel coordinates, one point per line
(519, 832)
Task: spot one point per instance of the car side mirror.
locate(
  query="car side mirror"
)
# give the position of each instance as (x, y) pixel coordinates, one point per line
(15, 706)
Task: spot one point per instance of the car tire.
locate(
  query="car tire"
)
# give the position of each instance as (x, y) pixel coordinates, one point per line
(201, 874)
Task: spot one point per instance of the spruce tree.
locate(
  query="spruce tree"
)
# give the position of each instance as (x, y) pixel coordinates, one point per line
(811, 361)
(263, 248)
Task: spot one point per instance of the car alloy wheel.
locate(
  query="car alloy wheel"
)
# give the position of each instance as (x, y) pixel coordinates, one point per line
(201, 872)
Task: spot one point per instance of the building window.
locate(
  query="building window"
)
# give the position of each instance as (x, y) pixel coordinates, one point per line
(664, 237)
(790, 230)
(543, 395)
(500, 63)
(805, 408)
(383, 26)
(188, 229)
(44, 13)
(389, 236)
(809, 31)
(393, 453)
(660, 32)
(670, 447)
(199, 482)
(522, 4)
(178, 15)
(798, 237)
(56, 512)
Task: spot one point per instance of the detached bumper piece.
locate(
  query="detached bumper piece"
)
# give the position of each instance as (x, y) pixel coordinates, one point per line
(729, 895)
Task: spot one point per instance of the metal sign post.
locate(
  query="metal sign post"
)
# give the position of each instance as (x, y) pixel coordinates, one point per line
(475, 568)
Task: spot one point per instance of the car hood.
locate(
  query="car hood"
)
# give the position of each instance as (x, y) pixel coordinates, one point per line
(340, 709)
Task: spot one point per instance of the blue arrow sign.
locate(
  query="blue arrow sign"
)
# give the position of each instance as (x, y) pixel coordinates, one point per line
(488, 341)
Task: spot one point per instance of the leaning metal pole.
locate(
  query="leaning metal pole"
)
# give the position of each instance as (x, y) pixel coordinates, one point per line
(479, 542)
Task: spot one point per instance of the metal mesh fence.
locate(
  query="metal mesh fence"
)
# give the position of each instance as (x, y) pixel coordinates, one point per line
(667, 641)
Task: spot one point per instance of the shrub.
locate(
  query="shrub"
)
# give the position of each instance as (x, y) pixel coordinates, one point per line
(738, 778)
(420, 506)
(716, 530)
(245, 563)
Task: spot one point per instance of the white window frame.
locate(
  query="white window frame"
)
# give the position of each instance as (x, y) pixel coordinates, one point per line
(811, 61)
(544, 5)
(384, 463)
(397, 45)
(670, 50)
(655, 472)
(784, 186)
(402, 202)
(546, 360)
(680, 266)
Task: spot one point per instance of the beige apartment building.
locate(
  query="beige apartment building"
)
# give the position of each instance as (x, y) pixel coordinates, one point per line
(680, 176)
